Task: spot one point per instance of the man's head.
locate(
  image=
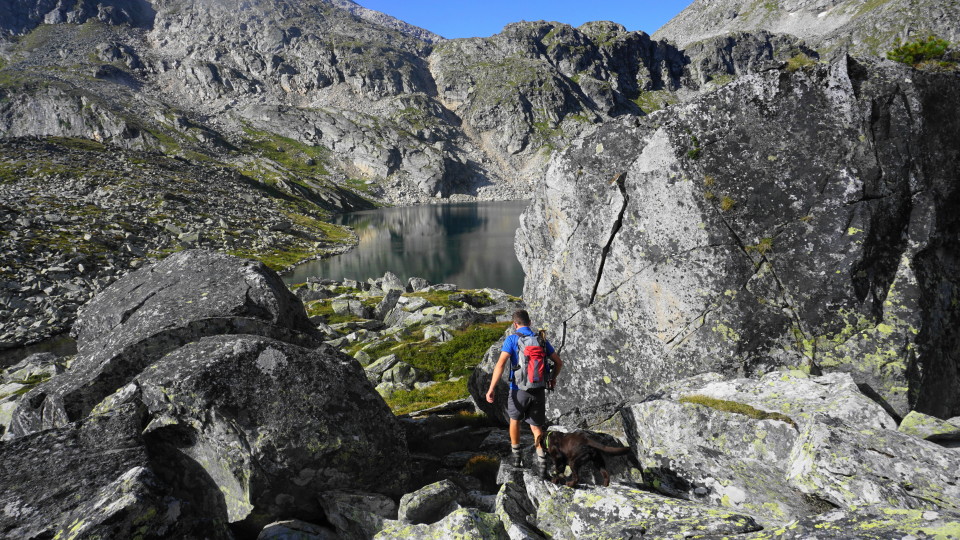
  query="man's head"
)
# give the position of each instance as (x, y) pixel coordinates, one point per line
(521, 318)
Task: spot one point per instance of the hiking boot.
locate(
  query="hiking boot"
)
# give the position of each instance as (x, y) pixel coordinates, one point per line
(516, 459)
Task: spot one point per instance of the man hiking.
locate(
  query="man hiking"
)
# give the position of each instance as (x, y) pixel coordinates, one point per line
(528, 382)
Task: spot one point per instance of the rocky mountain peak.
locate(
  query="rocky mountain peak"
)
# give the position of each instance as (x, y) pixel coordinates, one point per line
(387, 21)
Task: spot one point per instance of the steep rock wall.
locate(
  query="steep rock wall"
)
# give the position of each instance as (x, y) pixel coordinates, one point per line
(799, 219)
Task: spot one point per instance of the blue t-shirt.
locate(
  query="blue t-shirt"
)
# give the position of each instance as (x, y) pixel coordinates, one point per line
(510, 347)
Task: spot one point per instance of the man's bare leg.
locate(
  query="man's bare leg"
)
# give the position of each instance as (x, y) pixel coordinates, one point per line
(515, 451)
(514, 432)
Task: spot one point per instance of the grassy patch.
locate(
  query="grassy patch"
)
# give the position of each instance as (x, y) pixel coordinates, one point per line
(649, 102)
(293, 155)
(28, 383)
(438, 298)
(722, 79)
(736, 407)
(406, 401)
(456, 357)
(277, 259)
(799, 62)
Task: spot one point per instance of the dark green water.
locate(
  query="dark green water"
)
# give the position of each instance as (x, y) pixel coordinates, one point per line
(469, 244)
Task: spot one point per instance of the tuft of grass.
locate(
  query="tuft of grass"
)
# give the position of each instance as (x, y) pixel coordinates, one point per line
(736, 408)
(762, 247)
(483, 467)
(727, 203)
(694, 153)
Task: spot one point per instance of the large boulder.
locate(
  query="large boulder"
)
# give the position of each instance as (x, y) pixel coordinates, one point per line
(431, 503)
(357, 515)
(151, 312)
(803, 218)
(97, 478)
(786, 447)
(461, 523)
(270, 423)
(626, 512)
(867, 522)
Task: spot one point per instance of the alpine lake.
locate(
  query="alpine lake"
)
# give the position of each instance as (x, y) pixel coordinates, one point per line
(468, 244)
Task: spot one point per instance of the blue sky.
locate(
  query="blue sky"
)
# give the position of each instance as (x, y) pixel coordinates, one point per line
(456, 19)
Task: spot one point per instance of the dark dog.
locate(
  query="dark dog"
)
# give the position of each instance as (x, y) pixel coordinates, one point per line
(576, 450)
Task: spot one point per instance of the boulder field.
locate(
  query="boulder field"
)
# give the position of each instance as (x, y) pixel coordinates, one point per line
(205, 401)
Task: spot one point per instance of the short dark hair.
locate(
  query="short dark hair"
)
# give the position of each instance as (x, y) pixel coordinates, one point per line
(521, 317)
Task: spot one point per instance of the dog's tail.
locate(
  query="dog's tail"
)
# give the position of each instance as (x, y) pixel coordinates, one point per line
(610, 450)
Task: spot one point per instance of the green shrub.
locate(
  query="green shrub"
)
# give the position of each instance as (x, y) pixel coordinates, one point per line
(920, 51)
(736, 407)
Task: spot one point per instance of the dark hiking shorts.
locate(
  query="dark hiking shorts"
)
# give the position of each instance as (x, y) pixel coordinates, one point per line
(529, 406)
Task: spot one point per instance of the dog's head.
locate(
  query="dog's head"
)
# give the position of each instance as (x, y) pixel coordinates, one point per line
(550, 442)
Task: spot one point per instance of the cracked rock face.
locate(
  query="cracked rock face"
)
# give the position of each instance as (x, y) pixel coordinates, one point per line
(800, 219)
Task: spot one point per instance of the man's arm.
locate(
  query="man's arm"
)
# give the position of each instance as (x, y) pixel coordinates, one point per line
(557, 366)
(497, 373)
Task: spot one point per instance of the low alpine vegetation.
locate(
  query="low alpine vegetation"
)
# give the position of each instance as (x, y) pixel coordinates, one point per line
(930, 52)
(736, 407)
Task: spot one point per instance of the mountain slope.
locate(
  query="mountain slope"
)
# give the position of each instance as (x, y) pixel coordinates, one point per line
(868, 27)
(319, 105)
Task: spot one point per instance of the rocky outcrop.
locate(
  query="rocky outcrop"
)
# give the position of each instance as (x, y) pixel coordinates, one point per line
(774, 448)
(192, 375)
(792, 218)
(20, 16)
(140, 318)
(860, 26)
(621, 512)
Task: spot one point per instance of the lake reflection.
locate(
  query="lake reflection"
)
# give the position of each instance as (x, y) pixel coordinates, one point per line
(469, 244)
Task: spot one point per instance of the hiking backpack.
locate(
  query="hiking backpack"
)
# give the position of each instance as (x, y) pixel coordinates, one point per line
(531, 370)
